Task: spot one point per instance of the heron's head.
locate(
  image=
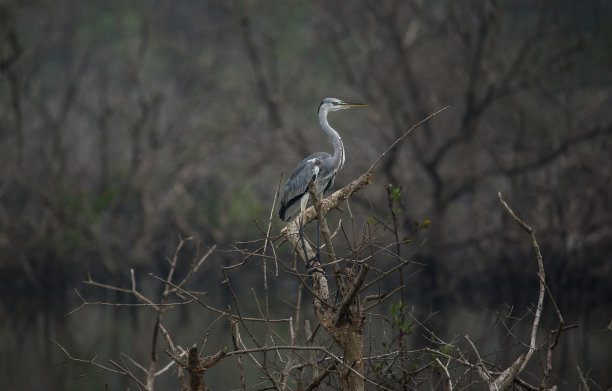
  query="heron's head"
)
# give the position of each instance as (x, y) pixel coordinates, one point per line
(335, 104)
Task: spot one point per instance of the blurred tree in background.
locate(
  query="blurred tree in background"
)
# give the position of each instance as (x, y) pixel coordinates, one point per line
(125, 124)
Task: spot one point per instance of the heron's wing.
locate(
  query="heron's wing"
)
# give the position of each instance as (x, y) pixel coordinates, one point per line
(297, 184)
(330, 184)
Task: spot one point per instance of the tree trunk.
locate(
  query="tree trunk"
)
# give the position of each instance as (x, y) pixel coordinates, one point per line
(344, 325)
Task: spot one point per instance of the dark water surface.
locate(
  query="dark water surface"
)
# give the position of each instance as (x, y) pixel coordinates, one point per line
(31, 361)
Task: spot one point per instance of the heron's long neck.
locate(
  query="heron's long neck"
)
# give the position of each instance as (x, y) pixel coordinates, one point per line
(338, 158)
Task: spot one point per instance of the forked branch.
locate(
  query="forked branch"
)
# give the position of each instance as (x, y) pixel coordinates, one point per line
(507, 377)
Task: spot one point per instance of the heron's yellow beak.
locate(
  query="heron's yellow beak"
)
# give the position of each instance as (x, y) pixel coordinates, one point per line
(352, 104)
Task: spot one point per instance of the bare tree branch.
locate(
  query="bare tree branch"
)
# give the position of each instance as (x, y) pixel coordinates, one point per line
(349, 299)
(506, 378)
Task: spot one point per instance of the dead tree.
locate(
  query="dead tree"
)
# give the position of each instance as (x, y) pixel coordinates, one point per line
(344, 321)
(504, 379)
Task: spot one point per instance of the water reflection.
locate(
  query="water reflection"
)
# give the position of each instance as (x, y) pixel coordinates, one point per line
(106, 332)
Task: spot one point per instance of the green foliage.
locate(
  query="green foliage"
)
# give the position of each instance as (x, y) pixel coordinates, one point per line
(236, 207)
(447, 350)
(394, 192)
(397, 313)
(78, 208)
(244, 206)
(85, 204)
(422, 225)
(378, 367)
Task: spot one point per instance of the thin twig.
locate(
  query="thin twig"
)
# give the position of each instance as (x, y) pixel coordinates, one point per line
(403, 136)
(263, 252)
(505, 379)
(221, 312)
(381, 298)
(194, 268)
(176, 357)
(319, 348)
(319, 378)
(125, 371)
(484, 372)
(329, 248)
(448, 384)
(235, 333)
(385, 274)
(583, 380)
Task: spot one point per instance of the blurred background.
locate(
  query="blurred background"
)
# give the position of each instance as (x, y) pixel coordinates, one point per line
(126, 124)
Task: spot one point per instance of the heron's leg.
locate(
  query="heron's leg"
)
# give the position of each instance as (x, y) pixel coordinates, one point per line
(301, 232)
(318, 255)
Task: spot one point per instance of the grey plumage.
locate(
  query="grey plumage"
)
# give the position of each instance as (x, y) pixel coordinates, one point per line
(320, 167)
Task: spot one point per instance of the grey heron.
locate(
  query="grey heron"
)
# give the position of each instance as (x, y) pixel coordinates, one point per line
(320, 167)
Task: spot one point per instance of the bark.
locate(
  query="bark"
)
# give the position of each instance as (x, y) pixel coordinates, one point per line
(344, 322)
